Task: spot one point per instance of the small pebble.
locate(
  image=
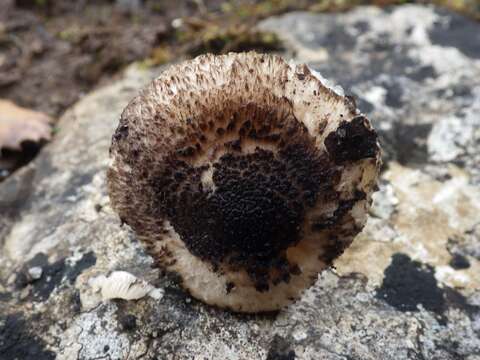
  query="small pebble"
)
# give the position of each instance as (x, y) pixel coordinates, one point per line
(156, 294)
(255, 328)
(299, 335)
(35, 272)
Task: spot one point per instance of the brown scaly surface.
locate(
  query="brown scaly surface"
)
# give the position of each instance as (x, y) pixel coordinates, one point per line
(244, 175)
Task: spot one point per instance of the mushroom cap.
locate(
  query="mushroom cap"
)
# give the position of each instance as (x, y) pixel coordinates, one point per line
(244, 175)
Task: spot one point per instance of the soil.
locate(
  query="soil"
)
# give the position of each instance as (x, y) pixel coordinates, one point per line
(53, 52)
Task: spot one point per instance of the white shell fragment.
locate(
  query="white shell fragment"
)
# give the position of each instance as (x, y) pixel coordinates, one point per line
(123, 285)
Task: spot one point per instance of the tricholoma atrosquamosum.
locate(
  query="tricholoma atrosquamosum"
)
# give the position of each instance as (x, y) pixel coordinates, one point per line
(244, 175)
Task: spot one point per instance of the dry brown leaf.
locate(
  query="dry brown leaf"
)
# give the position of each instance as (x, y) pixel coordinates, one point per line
(18, 125)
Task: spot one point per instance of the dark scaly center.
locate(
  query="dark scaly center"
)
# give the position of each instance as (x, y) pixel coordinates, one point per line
(256, 207)
(255, 210)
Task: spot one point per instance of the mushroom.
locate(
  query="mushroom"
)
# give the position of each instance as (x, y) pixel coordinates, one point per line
(244, 175)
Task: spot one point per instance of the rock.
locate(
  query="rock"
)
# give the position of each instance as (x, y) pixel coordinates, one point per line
(35, 272)
(408, 288)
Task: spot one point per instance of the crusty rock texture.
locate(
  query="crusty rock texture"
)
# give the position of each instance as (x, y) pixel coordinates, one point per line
(407, 287)
(243, 175)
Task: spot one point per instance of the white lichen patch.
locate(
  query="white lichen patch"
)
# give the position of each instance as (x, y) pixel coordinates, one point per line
(94, 335)
(68, 233)
(453, 135)
(427, 213)
(94, 200)
(224, 344)
(384, 202)
(447, 275)
(22, 230)
(410, 19)
(375, 95)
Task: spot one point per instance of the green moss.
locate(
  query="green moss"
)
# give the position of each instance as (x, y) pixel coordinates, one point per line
(159, 55)
(71, 34)
(214, 39)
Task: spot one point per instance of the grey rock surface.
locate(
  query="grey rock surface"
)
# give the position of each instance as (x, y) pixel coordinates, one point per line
(409, 287)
